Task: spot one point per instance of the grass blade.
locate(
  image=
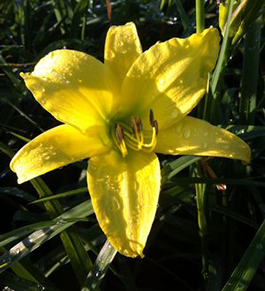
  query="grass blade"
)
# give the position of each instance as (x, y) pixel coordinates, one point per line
(248, 265)
(39, 237)
(100, 268)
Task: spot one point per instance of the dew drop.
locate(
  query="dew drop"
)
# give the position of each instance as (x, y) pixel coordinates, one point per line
(174, 113)
(204, 145)
(186, 133)
(115, 204)
(120, 43)
(206, 134)
(161, 81)
(124, 51)
(225, 146)
(43, 102)
(178, 128)
(110, 54)
(43, 90)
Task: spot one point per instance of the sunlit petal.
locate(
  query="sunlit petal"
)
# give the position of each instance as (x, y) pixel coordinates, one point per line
(124, 194)
(171, 77)
(73, 86)
(192, 136)
(55, 148)
(122, 48)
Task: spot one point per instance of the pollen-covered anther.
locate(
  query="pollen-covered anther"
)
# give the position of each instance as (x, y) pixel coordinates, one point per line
(151, 117)
(120, 139)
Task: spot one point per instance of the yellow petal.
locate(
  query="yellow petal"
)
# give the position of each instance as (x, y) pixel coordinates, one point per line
(124, 193)
(171, 77)
(192, 136)
(55, 148)
(122, 48)
(73, 86)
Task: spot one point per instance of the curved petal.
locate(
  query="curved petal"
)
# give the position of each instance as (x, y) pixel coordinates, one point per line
(122, 48)
(171, 77)
(124, 193)
(73, 86)
(55, 148)
(192, 136)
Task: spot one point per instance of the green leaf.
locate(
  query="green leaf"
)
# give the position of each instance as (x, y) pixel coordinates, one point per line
(100, 268)
(39, 237)
(248, 265)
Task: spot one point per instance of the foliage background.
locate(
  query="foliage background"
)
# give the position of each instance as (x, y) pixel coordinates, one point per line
(178, 253)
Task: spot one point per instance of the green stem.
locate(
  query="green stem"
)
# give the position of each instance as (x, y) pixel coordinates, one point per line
(202, 222)
(250, 72)
(221, 65)
(200, 16)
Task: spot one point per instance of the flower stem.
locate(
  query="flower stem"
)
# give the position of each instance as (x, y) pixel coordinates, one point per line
(199, 16)
(202, 221)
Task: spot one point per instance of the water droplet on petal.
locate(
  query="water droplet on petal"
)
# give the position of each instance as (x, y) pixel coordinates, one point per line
(225, 146)
(174, 113)
(161, 81)
(186, 133)
(110, 54)
(178, 128)
(204, 145)
(115, 203)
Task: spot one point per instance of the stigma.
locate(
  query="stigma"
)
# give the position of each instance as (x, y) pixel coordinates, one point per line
(134, 137)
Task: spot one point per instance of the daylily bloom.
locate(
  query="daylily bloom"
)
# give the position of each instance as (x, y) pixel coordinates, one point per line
(119, 114)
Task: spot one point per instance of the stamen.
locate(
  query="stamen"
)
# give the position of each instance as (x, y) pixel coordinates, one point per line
(155, 125)
(134, 126)
(119, 134)
(140, 130)
(151, 117)
(150, 146)
(139, 124)
(134, 137)
(120, 138)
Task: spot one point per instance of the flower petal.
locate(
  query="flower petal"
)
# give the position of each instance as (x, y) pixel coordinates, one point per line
(122, 48)
(124, 193)
(55, 148)
(171, 77)
(73, 86)
(192, 136)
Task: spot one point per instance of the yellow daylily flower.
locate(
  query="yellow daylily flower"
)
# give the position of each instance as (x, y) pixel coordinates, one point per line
(119, 114)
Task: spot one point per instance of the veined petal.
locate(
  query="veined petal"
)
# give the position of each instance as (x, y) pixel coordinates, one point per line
(122, 48)
(192, 136)
(171, 77)
(73, 86)
(124, 193)
(55, 148)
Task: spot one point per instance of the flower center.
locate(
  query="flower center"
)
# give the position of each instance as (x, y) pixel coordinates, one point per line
(135, 137)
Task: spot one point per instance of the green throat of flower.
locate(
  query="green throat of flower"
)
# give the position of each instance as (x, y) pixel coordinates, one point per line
(134, 137)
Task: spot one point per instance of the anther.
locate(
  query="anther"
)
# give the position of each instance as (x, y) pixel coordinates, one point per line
(134, 126)
(119, 134)
(155, 125)
(151, 117)
(139, 124)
